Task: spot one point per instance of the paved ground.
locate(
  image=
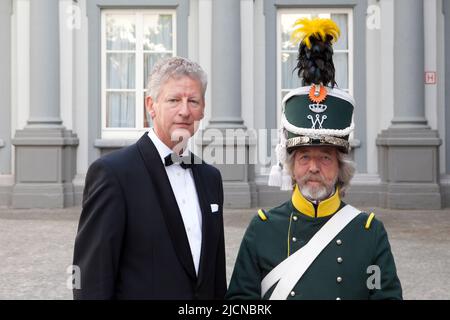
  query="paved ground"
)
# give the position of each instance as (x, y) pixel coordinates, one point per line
(36, 249)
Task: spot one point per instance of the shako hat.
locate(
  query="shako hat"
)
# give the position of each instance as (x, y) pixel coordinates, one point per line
(318, 113)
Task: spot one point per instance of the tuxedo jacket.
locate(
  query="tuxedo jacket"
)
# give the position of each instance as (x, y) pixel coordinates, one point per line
(131, 241)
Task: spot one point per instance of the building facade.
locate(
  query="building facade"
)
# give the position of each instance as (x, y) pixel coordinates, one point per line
(73, 81)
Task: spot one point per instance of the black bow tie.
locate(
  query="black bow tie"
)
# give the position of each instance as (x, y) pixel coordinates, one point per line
(185, 162)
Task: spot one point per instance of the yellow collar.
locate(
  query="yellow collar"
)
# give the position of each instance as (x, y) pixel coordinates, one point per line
(326, 207)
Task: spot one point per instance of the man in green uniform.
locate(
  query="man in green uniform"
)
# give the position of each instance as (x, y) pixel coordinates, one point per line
(315, 246)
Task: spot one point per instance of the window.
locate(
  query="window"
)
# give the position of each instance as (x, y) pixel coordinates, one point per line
(132, 41)
(287, 79)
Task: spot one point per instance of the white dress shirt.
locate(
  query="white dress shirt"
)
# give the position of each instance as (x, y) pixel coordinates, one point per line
(183, 187)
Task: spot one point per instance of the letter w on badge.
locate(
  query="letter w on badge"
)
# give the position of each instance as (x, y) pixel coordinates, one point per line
(317, 120)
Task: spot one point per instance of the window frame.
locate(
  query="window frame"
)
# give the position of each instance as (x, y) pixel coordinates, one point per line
(139, 129)
(313, 10)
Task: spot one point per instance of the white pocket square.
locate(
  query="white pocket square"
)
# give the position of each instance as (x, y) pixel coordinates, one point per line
(214, 207)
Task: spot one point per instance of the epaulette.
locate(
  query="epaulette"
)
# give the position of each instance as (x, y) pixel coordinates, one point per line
(369, 220)
(262, 215)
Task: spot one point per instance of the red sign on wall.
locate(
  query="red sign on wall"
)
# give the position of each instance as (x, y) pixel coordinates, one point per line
(430, 77)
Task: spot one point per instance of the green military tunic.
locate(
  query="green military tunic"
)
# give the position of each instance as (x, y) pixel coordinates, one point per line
(343, 270)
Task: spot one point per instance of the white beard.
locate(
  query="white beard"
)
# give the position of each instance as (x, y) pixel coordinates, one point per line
(315, 194)
(319, 193)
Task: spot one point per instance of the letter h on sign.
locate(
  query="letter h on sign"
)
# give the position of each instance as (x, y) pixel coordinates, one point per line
(430, 77)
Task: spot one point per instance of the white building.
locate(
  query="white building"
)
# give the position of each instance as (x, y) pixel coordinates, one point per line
(73, 76)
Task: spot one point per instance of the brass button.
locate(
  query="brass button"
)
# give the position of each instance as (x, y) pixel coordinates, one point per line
(292, 293)
(338, 242)
(339, 260)
(294, 218)
(294, 239)
(339, 279)
(338, 298)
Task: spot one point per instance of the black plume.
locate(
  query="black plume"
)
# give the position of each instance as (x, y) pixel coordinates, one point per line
(315, 65)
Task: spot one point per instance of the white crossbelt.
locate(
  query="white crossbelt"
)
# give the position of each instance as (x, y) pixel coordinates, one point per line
(291, 269)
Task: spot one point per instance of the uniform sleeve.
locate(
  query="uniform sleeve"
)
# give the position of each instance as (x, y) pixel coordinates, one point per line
(100, 232)
(389, 287)
(245, 282)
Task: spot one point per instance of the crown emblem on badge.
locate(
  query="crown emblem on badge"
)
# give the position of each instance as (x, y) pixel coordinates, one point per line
(317, 107)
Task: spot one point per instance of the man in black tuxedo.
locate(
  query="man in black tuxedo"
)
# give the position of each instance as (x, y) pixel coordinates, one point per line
(151, 225)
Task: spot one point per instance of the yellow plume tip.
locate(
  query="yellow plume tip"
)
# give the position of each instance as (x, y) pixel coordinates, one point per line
(319, 28)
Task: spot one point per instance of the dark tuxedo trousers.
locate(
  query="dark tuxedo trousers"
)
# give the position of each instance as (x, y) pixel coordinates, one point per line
(131, 241)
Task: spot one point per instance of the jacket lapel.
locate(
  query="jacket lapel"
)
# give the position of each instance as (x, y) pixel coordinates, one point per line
(209, 235)
(169, 207)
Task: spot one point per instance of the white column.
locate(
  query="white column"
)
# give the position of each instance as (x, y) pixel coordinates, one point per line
(80, 105)
(45, 152)
(409, 91)
(205, 49)
(44, 64)
(5, 104)
(5, 87)
(226, 64)
(373, 99)
(247, 54)
(408, 151)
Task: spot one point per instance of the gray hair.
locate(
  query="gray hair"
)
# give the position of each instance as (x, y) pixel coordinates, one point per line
(174, 67)
(347, 169)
